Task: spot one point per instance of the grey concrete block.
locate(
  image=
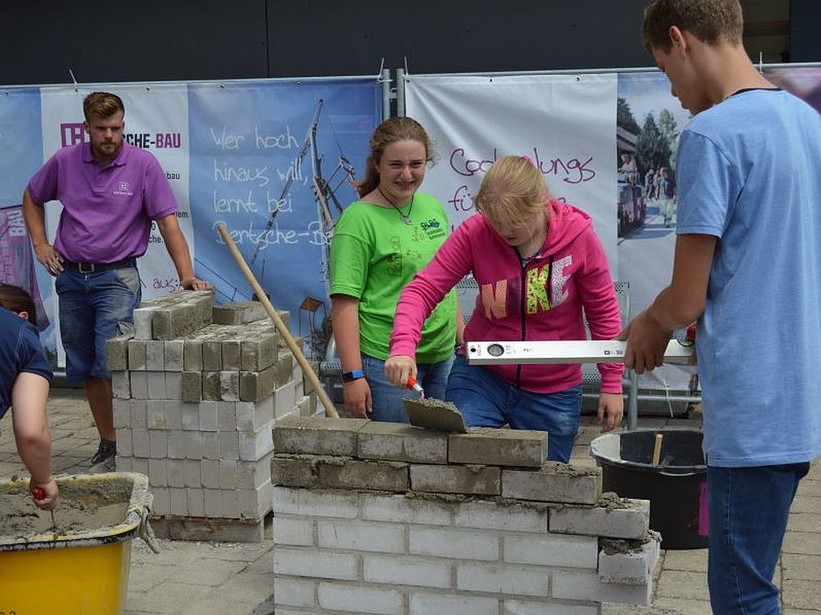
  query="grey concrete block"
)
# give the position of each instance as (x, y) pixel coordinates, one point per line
(612, 517)
(371, 475)
(284, 368)
(294, 471)
(229, 385)
(471, 480)
(155, 355)
(317, 436)
(238, 312)
(120, 385)
(175, 321)
(142, 322)
(211, 390)
(192, 355)
(253, 386)
(499, 447)
(554, 482)
(191, 386)
(231, 355)
(117, 352)
(211, 355)
(260, 352)
(136, 354)
(401, 442)
(173, 355)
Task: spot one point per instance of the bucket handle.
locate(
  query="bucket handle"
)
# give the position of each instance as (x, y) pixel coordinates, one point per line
(146, 532)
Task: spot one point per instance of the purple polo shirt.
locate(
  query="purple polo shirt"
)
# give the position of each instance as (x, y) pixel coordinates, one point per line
(107, 211)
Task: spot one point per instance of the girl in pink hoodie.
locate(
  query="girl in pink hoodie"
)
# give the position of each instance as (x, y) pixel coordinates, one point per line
(542, 272)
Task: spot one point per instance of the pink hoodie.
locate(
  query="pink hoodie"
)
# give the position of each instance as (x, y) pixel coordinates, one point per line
(546, 298)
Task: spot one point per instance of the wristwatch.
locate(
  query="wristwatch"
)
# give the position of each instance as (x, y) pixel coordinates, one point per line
(354, 375)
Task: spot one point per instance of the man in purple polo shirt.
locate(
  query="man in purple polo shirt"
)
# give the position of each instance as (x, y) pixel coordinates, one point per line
(111, 192)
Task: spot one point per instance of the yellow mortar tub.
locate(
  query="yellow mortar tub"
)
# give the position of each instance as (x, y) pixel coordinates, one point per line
(83, 567)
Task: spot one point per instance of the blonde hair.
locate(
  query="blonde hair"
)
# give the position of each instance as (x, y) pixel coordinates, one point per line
(512, 189)
(709, 21)
(388, 132)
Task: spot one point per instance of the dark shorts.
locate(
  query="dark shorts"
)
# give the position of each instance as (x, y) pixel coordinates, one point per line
(93, 308)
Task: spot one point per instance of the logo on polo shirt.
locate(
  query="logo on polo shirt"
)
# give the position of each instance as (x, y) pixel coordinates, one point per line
(124, 189)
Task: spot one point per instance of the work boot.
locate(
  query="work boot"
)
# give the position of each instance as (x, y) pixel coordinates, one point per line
(106, 453)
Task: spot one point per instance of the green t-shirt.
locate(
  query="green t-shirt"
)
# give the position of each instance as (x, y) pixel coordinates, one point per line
(374, 254)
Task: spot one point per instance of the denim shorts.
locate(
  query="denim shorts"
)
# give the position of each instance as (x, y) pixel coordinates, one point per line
(93, 308)
(387, 398)
(487, 401)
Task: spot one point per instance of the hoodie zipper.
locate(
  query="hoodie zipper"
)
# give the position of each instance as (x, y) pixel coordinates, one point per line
(523, 264)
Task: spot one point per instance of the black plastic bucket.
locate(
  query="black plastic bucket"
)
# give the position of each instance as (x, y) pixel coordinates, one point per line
(676, 487)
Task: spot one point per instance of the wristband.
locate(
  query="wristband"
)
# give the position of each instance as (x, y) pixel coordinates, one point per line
(354, 375)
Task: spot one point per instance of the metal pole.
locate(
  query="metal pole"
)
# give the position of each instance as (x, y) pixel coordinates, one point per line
(385, 78)
(400, 92)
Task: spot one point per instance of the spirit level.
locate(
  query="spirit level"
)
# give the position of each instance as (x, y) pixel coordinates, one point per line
(564, 351)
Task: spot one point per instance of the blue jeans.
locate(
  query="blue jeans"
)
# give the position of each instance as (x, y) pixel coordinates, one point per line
(487, 401)
(93, 308)
(387, 397)
(749, 508)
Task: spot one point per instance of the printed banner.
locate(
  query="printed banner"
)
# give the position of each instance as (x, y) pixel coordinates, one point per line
(565, 123)
(17, 259)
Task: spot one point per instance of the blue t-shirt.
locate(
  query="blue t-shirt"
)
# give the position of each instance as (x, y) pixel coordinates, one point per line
(749, 173)
(20, 351)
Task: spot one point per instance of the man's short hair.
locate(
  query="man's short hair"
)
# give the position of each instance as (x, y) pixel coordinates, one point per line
(17, 300)
(102, 104)
(709, 21)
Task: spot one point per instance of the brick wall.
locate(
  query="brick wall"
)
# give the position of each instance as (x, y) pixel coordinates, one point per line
(197, 391)
(386, 518)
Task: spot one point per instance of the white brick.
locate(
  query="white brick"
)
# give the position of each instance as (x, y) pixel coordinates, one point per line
(253, 474)
(284, 399)
(407, 571)
(140, 444)
(176, 473)
(453, 543)
(360, 599)
(502, 579)
(228, 474)
(190, 417)
(139, 385)
(213, 503)
(157, 472)
(179, 503)
(339, 534)
(173, 385)
(254, 503)
(293, 531)
(552, 550)
(137, 414)
(289, 591)
(226, 416)
(162, 500)
(158, 444)
(122, 413)
(492, 516)
(176, 445)
(120, 385)
(196, 502)
(124, 445)
(208, 416)
(193, 444)
(586, 586)
(629, 522)
(156, 385)
(520, 607)
(430, 604)
(155, 414)
(229, 445)
(634, 567)
(314, 564)
(210, 471)
(210, 445)
(257, 445)
(192, 469)
(401, 509)
(309, 504)
(251, 416)
(173, 413)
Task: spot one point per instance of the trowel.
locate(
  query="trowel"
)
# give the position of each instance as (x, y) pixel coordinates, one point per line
(40, 493)
(432, 413)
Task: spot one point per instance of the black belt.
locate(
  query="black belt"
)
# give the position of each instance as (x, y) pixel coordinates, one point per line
(93, 268)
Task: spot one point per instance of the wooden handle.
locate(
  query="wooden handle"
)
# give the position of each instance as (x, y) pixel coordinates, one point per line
(657, 449)
(330, 409)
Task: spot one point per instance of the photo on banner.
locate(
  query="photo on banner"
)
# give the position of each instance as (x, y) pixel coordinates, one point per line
(273, 162)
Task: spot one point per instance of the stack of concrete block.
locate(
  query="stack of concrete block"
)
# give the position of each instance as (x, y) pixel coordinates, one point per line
(197, 390)
(386, 518)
